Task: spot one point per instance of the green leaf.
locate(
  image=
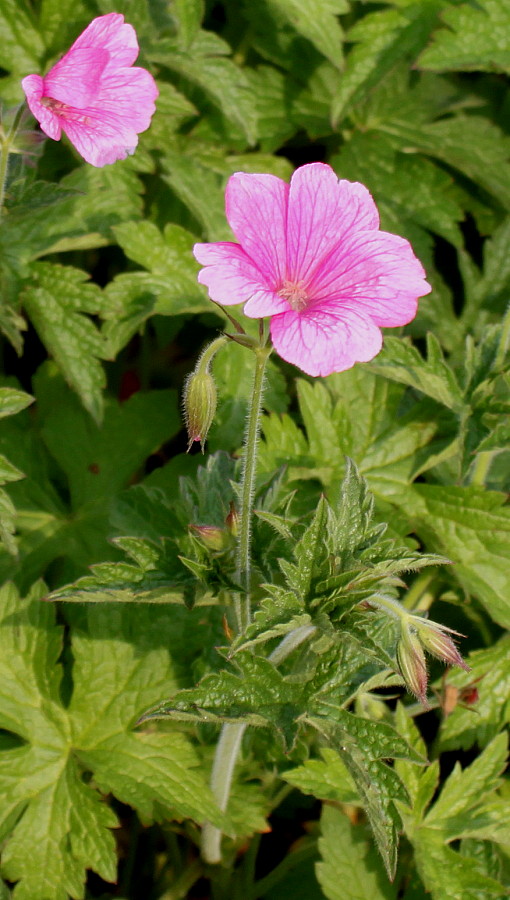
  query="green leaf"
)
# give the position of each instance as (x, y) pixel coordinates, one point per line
(121, 663)
(12, 401)
(316, 20)
(350, 868)
(22, 47)
(490, 674)
(449, 876)
(381, 39)
(205, 63)
(255, 693)
(465, 791)
(326, 778)
(401, 362)
(475, 38)
(56, 299)
(472, 527)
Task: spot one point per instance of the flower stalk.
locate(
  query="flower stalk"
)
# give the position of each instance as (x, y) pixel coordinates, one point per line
(229, 744)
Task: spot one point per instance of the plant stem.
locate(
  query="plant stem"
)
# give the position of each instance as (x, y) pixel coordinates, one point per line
(249, 473)
(231, 735)
(4, 166)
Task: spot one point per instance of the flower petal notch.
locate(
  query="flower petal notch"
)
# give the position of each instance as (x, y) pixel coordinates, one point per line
(94, 94)
(311, 256)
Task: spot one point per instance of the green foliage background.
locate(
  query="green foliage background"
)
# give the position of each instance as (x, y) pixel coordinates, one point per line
(102, 317)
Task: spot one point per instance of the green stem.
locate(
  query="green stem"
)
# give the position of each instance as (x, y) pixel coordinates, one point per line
(504, 341)
(481, 466)
(4, 167)
(249, 473)
(231, 736)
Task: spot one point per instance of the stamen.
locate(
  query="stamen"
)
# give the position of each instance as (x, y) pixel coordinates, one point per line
(296, 295)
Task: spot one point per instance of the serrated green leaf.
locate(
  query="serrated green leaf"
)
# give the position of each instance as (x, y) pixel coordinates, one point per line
(472, 527)
(327, 779)
(381, 39)
(350, 869)
(56, 299)
(475, 38)
(317, 21)
(464, 793)
(59, 825)
(401, 362)
(22, 46)
(449, 876)
(490, 674)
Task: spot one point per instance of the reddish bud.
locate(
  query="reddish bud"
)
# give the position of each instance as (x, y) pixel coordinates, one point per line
(436, 640)
(232, 520)
(214, 538)
(412, 664)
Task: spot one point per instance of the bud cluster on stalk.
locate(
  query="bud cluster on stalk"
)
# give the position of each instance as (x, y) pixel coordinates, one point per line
(418, 635)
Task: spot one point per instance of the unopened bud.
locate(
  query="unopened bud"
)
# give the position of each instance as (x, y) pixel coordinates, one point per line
(232, 520)
(199, 406)
(214, 538)
(437, 641)
(412, 664)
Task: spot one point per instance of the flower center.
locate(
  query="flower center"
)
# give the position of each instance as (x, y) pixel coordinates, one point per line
(296, 295)
(65, 112)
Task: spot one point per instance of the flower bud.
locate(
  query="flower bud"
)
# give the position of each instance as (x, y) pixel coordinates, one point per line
(199, 406)
(232, 520)
(412, 664)
(214, 538)
(437, 641)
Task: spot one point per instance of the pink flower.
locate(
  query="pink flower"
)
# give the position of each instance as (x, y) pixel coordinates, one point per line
(94, 94)
(311, 255)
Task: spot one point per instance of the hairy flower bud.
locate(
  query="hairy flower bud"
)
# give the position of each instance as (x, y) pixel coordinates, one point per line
(232, 520)
(412, 664)
(199, 406)
(436, 640)
(214, 538)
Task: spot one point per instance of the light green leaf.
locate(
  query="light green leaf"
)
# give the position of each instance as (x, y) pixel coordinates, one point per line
(475, 38)
(56, 299)
(465, 791)
(449, 876)
(12, 401)
(490, 674)
(22, 47)
(401, 362)
(381, 39)
(326, 778)
(472, 527)
(55, 822)
(350, 868)
(317, 21)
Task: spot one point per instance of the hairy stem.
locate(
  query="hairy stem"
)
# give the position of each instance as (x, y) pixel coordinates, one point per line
(229, 744)
(243, 569)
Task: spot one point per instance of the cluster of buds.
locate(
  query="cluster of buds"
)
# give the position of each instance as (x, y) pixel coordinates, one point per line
(418, 635)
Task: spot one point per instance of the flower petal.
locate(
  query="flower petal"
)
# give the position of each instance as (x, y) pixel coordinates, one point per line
(320, 342)
(112, 34)
(33, 85)
(231, 277)
(374, 273)
(322, 212)
(256, 207)
(76, 79)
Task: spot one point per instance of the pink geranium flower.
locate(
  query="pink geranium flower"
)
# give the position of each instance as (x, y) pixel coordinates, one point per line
(311, 256)
(94, 94)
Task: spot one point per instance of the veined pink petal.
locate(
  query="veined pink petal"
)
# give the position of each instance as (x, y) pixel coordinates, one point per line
(320, 342)
(110, 33)
(33, 85)
(256, 207)
(374, 273)
(94, 94)
(231, 277)
(322, 211)
(76, 79)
